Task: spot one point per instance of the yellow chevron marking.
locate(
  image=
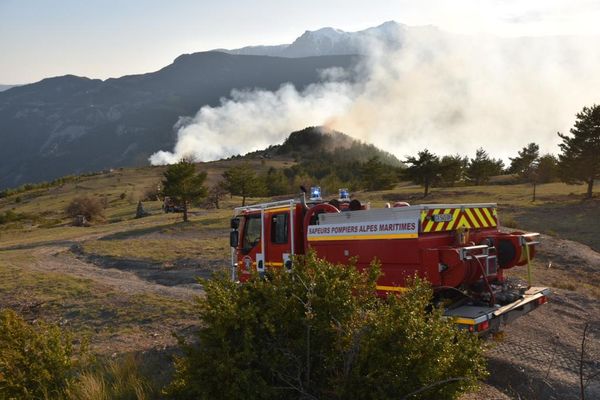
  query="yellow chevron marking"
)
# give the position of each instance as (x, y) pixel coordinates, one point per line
(440, 225)
(464, 222)
(468, 218)
(455, 215)
(472, 218)
(489, 215)
(481, 217)
(430, 222)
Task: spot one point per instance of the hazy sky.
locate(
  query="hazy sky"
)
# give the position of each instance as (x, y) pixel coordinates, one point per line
(111, 38)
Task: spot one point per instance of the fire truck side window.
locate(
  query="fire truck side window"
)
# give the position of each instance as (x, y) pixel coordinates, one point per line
(279, 228)
(252, 230)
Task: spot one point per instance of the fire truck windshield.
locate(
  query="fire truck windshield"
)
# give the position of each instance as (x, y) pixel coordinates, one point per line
(252, 228)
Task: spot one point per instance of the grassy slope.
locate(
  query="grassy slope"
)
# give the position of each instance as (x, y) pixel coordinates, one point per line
(160, 248)
(33, 250)
(182, 251)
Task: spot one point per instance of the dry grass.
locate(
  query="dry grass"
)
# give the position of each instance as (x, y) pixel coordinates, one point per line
(85, 306)
(560, 277)
(119, 379)
(163, 250)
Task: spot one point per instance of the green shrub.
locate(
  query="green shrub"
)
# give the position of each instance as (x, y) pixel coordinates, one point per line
(320, 332)
(11, 216)
(36, 360)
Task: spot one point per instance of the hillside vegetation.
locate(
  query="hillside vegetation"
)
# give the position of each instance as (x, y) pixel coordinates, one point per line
(128, 284)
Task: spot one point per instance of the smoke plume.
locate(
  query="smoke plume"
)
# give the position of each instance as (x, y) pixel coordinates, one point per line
(421, 88)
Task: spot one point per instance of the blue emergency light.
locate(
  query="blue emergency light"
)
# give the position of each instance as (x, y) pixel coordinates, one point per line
(315, 193)
(344, 194)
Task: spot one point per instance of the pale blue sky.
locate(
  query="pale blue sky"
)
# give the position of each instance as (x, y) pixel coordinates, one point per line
(110, 38)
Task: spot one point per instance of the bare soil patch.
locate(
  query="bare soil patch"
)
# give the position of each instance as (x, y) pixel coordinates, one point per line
(539, 356)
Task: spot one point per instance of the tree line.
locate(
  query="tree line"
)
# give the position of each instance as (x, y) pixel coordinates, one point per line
(578, 162)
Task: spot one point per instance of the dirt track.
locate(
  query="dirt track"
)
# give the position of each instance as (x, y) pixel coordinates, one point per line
(125, 280)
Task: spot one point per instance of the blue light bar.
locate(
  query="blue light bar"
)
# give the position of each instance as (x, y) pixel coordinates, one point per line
(315, 193)
(344, 194)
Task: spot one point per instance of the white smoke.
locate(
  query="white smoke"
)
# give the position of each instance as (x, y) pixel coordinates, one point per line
(448, 93)
(253, 120)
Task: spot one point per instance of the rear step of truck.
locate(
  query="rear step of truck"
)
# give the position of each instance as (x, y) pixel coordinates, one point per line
(485, 319)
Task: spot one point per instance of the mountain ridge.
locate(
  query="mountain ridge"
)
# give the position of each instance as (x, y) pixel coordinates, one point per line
(69, 124)
(332, 41)
(4, 87)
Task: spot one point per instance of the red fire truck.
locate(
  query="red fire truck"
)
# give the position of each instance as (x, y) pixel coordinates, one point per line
(457, 247)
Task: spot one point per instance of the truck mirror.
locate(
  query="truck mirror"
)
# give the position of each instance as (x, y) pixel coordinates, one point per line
(235, 223)
(233, 239)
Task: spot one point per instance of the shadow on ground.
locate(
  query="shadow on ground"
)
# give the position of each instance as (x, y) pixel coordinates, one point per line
(183, 272)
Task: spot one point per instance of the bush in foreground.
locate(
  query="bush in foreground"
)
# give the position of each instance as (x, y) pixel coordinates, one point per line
(36, 360)
(319, 332)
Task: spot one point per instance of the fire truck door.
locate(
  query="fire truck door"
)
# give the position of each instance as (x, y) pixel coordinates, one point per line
(252, 257)
(278, 239)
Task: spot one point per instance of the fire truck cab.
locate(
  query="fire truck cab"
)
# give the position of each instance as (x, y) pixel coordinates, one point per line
(456, 247)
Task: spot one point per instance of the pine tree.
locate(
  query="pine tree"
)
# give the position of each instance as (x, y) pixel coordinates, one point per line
(547, 168)
(183, 184)
(452, 169)
(525, 161)
(242, 181)
(424, 170)
(482, 167)
(376, 175)
(580, 158)
(276, 182)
